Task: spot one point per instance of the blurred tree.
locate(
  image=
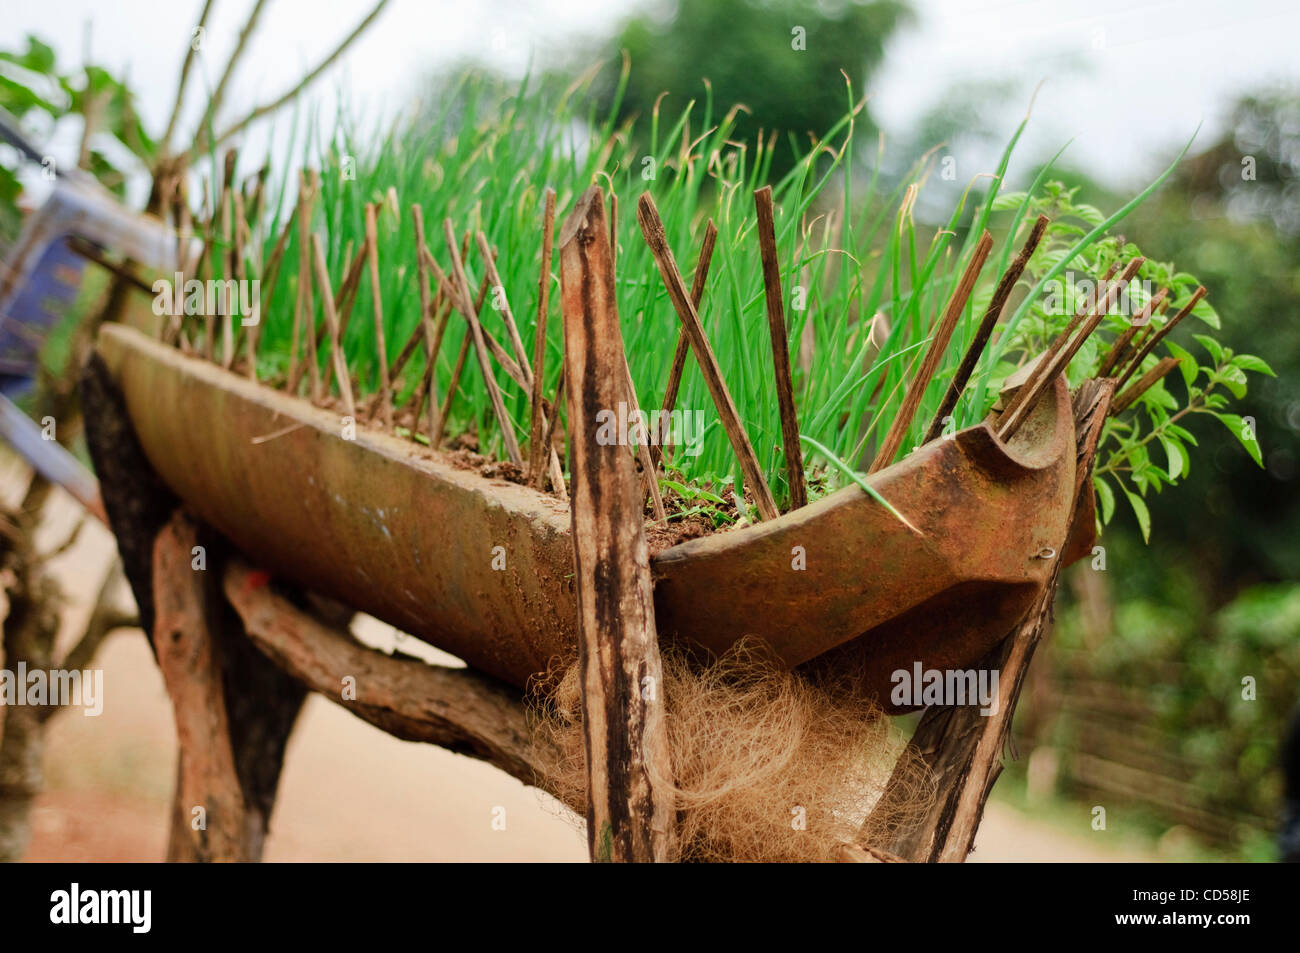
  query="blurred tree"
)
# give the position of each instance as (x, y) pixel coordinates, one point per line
(1232, 217)
(782, 60)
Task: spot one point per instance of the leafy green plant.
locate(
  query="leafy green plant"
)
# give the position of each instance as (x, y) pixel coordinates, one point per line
(850, 252)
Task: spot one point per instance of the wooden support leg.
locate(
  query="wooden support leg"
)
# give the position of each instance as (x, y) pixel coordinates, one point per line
(208, 823)
(964, 748)
(629, 771)
(260, 702)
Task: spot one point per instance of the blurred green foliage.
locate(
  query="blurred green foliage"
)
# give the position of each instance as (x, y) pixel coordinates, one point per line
(37, 93)
(781, 59)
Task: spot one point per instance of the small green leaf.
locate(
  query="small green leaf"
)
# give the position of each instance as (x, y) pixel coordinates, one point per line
(1249, 362)
(1177, 458)
(1211, 345)
(1205, 311)
(1234, 378)
(1141, 512)
(1106, 496)
(1186, 363)
(1007, 201)
(1245, 435)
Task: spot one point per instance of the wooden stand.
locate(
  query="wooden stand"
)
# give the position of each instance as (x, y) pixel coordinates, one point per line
(238, 654)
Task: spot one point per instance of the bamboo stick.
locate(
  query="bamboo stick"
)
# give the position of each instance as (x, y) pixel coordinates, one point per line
(985, 331)
(938, 344)
(516, 342)
(481, 350)
(227, 233)
(384, 399)
(1140, 320)
(345, 299)
(536, 419)
(1144, 383)
(683, 341)
(512, 369)
(652, 229)
(1157, 336)
(332, 325)
(305, 310)
(456, 371)
(1104, 288)
(776, 329)
(1048, 370)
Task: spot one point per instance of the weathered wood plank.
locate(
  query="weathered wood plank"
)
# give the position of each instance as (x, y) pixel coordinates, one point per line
(629, 812)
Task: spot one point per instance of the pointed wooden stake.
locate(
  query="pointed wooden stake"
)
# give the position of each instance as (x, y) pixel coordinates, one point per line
(938, 345)
(385, 397)
(994, 311)
(629, 770)
(481, 350)
(1140, 320)
(537, 420)
(332, 327)
(1144, 383)
(652, 228)
(683, 341)
(776, 329)
(1157, 336)
(1049, 369)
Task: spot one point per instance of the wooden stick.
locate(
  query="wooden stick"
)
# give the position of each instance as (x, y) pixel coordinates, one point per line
(938, 344)
(455, 708)
(646, 463)
(1144, 383)
(629, 769)
(536, 420)
(516, 342)
(1140, 320)
(305, 310)
(272, 272)
(185, 608)
(1059, 342)
(432, 332)
(985, 331)
(652, 229)
(456, 371)
(697, 295)
(228, 235)
(1052, 365)
(480, 348)
(962, 747)
(1157, 336)
(385, 397)
(459, 366)
(332, 324)
(343, 301)
(780, 348)
(241, 275)
(461, 301)
(549, 436)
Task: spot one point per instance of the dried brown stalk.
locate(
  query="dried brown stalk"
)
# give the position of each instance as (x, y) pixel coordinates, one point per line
(652, 228)
(332, 326)
(938, 345)
(985, 331)
(790, 445)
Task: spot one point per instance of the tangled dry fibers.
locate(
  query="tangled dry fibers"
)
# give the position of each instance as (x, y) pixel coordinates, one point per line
(768, 764)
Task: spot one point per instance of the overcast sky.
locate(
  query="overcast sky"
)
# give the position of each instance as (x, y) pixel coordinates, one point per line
(1129, 81)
